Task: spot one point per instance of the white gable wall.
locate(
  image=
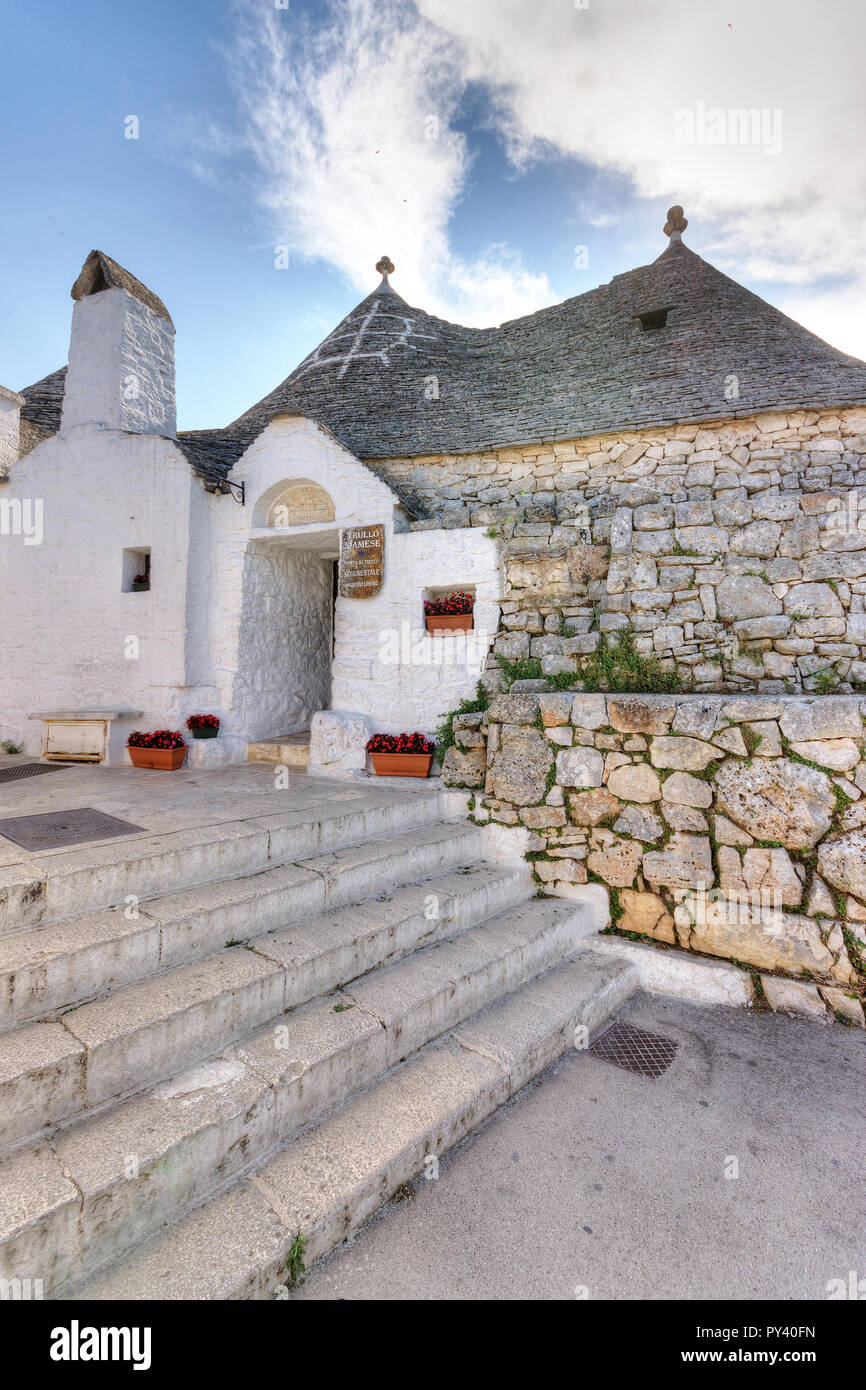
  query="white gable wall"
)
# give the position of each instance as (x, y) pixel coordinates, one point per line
(270, 612)
(385, 664)
(271, 609)
(70, 633)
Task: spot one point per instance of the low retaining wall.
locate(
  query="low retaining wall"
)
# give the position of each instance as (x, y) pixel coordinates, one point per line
(734, 826)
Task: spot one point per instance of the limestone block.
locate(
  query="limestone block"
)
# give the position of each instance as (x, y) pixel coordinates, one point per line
(820, 903)
(697, 716)
(759, 538)
(777, 799)
(770, 874)
(813, 601)
(732, 741)
(767, 730)
(464, 769)
(635, 782)
(685, 862)
(518, 772)
(647, 914)
(590, 807)
(617, 864)
(513, 709)
(338, 740)
(542, 817)
(683, 753)
(555, 709)
(738, 929)
(845, 1004)
(727, 833)
(842, 862)
(830, 716)
(839, 754)
(579, 767)
(687, 818)
(794, 997)
(746, 596)
(639, 823)
(588, 562)
(640, 714)
(588, 711)
(684, 790)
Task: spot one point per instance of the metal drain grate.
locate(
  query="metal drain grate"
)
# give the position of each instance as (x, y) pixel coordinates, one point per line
(58, 829)
(634, 1049)
(14, 774)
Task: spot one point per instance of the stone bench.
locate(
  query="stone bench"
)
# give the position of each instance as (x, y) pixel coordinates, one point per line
(78, 735)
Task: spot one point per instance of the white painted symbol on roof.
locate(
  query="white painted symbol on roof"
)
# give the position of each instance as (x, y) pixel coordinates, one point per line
(377, 323)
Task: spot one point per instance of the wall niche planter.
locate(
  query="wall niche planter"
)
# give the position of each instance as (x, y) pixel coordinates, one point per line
(450, 612)
(449, 622)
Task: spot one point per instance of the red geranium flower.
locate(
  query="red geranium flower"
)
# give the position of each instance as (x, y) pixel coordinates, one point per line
(459, 602)
(202, 721)
(160, 738)
(399, 743)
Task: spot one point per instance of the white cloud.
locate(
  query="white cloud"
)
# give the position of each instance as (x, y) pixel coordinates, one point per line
(604, 85)
(339, 120)
(351, 127)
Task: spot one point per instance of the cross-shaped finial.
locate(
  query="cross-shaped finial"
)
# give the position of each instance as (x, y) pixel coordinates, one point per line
(385, 267)
(676, 222)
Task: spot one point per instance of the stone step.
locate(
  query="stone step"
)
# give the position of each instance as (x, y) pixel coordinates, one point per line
(145, 1161)
(328, 1180)
(53, 886)
(290, 750)
(144, 1032)
(55, 967)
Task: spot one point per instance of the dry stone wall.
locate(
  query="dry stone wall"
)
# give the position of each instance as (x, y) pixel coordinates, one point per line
(733, 826)
(733, 551)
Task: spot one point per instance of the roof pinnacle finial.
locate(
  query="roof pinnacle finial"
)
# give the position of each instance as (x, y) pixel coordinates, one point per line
(385, 268)
(676, 223)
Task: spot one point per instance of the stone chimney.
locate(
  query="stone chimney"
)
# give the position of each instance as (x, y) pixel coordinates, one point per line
(10, 426)
(121, 354)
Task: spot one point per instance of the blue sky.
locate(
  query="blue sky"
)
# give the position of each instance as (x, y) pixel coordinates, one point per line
(478, 144)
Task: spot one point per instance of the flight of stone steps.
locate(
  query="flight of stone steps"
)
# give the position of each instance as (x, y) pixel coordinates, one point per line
(215, 1041)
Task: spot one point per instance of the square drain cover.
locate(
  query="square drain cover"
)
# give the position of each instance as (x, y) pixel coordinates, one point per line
(15, 773)
(58, 829)
(634, 1049)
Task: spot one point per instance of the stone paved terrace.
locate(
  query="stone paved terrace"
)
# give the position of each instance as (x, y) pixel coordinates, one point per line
(185, 799)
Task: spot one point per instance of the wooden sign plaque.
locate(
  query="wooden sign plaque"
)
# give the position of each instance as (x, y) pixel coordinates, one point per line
(362, 561)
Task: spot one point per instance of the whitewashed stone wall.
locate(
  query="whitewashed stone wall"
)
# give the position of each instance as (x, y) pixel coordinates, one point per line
(386, 665)
(72, 638)
(121, 366)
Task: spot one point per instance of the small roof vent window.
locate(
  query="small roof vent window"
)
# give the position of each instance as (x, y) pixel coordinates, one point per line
(654, 318)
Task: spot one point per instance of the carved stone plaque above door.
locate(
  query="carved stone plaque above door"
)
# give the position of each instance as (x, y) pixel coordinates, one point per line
(301, 504)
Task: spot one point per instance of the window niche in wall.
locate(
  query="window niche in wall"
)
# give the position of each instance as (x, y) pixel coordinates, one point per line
(449, 609)
(136, 571)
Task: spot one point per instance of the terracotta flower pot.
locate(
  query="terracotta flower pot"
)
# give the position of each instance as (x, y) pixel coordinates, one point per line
(449, 622)
(166, 758)
(204, 733)
(402, 764)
